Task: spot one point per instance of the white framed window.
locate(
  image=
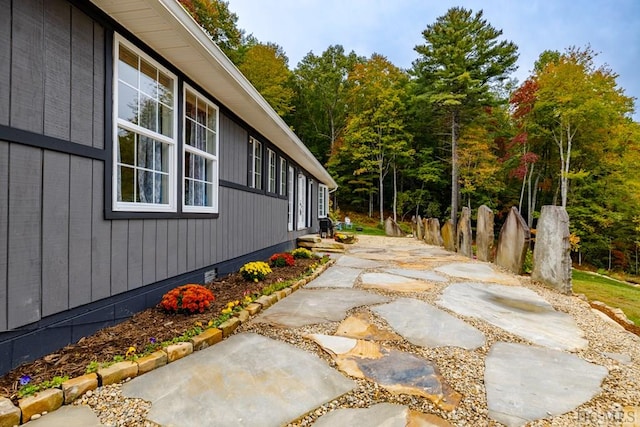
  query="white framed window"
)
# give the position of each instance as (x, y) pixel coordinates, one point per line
(290, 197)
(323, 201)
(283, 176)
(272, 175)
(302, 202)
(255, 163)
(200, 153)
(145, 140)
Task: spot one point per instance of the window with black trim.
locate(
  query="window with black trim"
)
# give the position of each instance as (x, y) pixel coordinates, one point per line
(283, 176)
(255, 163)
(200, 153)
(272, 175)
(145, 140)
(323, 201)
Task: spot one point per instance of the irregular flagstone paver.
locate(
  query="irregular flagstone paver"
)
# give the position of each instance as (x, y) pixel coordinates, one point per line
(359, 326)
(382, 414)
(336, 277)
(68, 416)
(517, 310)
(247, 380)
(432, 252)
(312, 306)
(526, 383)
(424, 325)
(621, 358)
(417, 274)
(476, 271)
(349, 261)
(392, 282)
(396, 371)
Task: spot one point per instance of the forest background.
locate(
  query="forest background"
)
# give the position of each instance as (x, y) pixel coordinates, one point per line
(457, 130)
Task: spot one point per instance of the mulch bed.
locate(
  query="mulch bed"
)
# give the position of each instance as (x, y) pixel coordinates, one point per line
(153, 324)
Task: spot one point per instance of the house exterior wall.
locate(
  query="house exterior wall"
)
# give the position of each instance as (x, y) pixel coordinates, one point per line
(67, 270)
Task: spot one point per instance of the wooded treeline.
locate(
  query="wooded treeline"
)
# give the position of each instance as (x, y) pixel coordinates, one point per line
(455, 129)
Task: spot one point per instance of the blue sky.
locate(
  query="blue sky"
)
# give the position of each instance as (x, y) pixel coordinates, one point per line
(393, 27)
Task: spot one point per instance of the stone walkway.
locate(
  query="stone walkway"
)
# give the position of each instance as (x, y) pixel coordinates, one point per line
(433, 338)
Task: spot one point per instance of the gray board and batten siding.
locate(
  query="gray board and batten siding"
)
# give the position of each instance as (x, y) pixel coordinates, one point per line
(66, 270)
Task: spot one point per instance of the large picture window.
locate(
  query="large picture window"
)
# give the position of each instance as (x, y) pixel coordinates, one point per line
(200, 153)
(255, 164)
(144, 169)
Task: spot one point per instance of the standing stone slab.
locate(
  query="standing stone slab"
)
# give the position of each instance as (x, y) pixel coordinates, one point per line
(513, 242)
(484, 234)
(526, 383)
(432, 234)
(464, 237)
(551, 256)
(391, 228)
(448, 236)
(419, 228)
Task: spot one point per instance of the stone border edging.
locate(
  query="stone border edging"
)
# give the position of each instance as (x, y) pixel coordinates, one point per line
(49, 400)
(617, 315)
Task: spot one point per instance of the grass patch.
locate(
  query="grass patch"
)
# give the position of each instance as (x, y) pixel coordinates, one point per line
(609, 291)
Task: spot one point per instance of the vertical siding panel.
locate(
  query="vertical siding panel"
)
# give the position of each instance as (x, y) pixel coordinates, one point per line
(182, 246)
(199, 243)
(172, 247)
(98, 85)
(149, 251)
(57, 79)
(4, 227)
(206, 237)
(80, 201)
(24, 261)
(161, 249)
(81, 77)
(55, 233)
(5, 68)
(119, 261)
(191, 244)
(212, 240)
(100, 238)
(27, 68)
(134, 252)
(221, 225)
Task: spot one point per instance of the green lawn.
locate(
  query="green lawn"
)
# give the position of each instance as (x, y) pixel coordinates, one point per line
(609, 291)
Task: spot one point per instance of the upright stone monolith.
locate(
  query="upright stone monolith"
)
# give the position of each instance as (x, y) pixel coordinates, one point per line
(513, 242)
(432, 234)
(391, 228)
(552, 253)
(484, 234)
(419, 228)
(448, 236)
(464, 237)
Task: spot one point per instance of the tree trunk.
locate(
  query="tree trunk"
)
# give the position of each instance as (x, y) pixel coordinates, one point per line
(395, 194)
(454, 169)
(380, 189)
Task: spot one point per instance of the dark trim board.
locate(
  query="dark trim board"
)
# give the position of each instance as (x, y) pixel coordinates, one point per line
(38, 339)
(38, 140)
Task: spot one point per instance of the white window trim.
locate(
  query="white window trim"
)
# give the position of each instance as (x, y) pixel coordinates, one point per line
(290, 198)
(272, 181)
(186, 147)
(252, 183)
(302, 202)
(309, 202)
(323, 201)
(117, 122)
